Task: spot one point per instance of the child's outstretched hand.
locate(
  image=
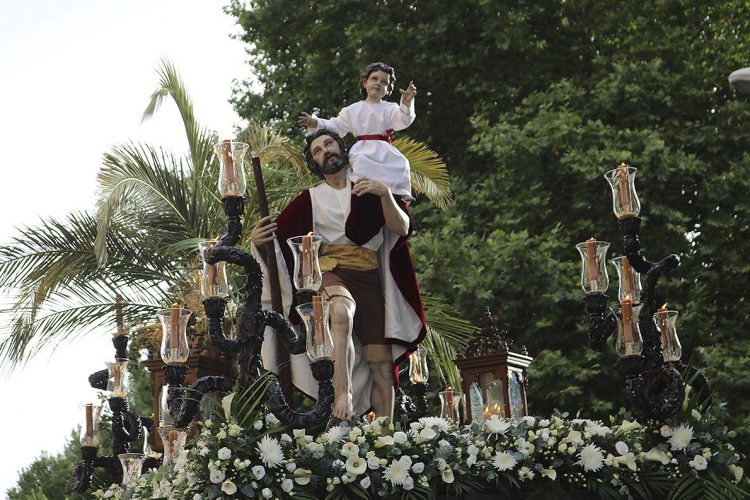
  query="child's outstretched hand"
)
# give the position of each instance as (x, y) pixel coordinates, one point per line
(307, 121)
(407, 96)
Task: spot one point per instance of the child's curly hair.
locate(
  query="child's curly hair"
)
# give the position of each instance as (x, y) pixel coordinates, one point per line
(374, 67)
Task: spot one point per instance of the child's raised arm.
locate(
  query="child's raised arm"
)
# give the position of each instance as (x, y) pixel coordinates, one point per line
(307, 121)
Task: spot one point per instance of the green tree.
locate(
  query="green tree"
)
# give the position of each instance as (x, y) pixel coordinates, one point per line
(532, 102)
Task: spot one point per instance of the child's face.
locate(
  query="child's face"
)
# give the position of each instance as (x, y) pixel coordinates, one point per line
(376, 84)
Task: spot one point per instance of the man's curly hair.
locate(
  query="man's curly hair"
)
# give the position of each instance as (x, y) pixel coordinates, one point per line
(311, 165)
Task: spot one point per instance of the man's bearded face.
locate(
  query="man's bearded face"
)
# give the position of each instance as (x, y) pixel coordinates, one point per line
(327, 155)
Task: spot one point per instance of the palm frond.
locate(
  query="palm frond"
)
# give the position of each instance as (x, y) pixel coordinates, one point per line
(272, 148)
(429, 174)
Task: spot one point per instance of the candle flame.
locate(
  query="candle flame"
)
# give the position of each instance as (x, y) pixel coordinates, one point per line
(664, 307)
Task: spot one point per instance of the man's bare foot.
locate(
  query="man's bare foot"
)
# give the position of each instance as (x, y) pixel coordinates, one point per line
(343, 407)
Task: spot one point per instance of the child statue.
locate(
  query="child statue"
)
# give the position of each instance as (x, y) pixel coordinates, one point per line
(372, 122)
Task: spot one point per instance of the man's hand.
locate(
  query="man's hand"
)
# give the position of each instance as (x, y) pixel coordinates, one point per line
(263, 231)
(407, 96)
(365, 185)
(307, 121)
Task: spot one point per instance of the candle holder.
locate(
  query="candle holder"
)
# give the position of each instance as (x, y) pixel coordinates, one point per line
(314, 317)
(232, 181)
(666, 323)
(654, 385)
(117, 379)
(173, 440)
(625, 202)
(629, 341)
(214, 276)
(419, 375)
(132, 466)
(629, 280)
(305, 250)
(450, 401)
(252, 320)
(174, 343)
(126, 426)
(594, 278)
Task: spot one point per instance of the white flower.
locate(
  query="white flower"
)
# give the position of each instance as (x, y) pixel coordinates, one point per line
(621, 448)
(204, 451)
(628, 426)
(334, 434)
(496, 426)
(270, 451)
(656, 455)
(574, 438)
(417, 468)
(629, 461)
(398, 471)
(443, 443)
(471, 460)
(226, 404)
(447, 475)
(234, 429)
(298, 433)
(355, 465)
(525, 473)
(591, 458)
(373, 463)
(408, 483)
(217, 476)
(197, 496)
(384, 441)
(426, 434)
(267, 493)
(302, 476)
(350, 450)
(259, 471)
(699, 462)
(550, 473)
(544, 422)
(400, 437)
(365, 483)
(271, 419)
(229, 487)
(503, 461)
(438, 422)
(287, 485)
(316, 449)
(258, 425)
(441, 464)
(221, 434)
(665, 431)
(224, 453)
(290, 466)
(681, 436)
(472, 450)
(737, 471)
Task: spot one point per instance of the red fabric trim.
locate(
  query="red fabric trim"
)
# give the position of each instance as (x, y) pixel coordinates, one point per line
(387, 137)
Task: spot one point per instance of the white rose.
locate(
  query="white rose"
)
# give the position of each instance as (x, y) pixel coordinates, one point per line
(257, 425)
(224, 453)
(217, 476)
(259, 471)
(373, 463)
(287, 485)
(417, 468)
(266, 493)
(400, 437)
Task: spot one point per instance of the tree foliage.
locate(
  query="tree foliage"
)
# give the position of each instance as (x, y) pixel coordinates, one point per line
(532, 102)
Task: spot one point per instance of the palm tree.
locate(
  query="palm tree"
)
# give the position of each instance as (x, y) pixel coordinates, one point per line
(153, 208)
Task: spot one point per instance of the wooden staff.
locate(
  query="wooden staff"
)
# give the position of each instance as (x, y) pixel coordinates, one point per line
(285, 373)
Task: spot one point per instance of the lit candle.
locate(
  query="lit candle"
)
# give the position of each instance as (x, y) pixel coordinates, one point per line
(593, 263)
(307, 257)
(622, 173)
(371, 417)
(317, 301)
(226, 153)
(627, 326)
(662, 318)
(627, 278)
(487, 413)
(174, 331)
(449, 400)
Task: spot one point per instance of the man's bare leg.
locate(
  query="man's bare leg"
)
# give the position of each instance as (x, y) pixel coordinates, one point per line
(382, 388)
(342, 319)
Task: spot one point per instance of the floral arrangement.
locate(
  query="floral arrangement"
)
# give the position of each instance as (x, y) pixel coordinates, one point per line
(257, 457)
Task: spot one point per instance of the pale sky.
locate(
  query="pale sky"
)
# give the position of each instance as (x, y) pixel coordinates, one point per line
(75, 77)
